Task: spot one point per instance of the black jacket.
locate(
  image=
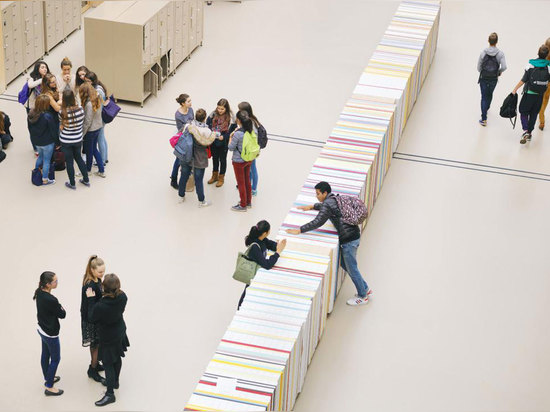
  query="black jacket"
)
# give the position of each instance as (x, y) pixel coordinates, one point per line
(48, 312)
(329, 210)
(86, 303)
(259, 254)
(107, 315)
(43, 130)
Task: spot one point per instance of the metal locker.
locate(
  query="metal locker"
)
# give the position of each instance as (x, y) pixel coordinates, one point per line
(154, 36)
(28, 33)
(58, 23)
(38, 29)
(67, 17)
(200, 22)
(49, 24)
(162, 20)
(77, 14)
(170, 14)
(18, 57)
(192, 25)
(7, 35)
(178, 55)
(186, 49)
(147, 43)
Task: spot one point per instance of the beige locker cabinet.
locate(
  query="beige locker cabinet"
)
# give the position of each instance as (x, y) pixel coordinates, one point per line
(12, 37)
(33, 31)
(200, 22)
(39, 32)
(61, 18)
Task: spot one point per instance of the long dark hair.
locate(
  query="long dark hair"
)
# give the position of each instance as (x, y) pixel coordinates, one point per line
(67, 101)
(248, 109)
(45, 278)
(45, 87)
(262, 227)
(35, 74)
(111, 286)
(228, 114)
(78, 81)
(91, 76)
(245, 121)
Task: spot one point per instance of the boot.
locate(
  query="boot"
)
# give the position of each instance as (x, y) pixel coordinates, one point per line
(94, 374)
(220, 180)
(214, 178)
(190, 184)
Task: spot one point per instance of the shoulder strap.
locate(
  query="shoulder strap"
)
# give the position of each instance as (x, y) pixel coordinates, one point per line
(250, 247)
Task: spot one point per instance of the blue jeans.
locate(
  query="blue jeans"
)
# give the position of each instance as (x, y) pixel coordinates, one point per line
(90, 148)
(254, 175)
(51, 355)
(174, 175)
(102, 144)
(199, 175)
(348, 261)
(487, 87)
(44, 159)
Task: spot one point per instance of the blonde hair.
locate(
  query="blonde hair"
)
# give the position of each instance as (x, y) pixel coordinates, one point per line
(93, 263)
(87, 93)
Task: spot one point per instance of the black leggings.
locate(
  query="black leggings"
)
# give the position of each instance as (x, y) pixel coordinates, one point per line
(72, 152)
(112, 372)
(219, 158)
(242, 297)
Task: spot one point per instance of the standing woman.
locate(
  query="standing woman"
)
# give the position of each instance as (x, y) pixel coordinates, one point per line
(49, 311)
(35, 82)
(183, 115)
(256, 123)
(102, 91)
(71, 118)
(222, 121)
(241, 166)
(43, 130)
(107, 314)
(92, 126)
(49, 88)
(257, 237)
(95, 269)
(80, 78)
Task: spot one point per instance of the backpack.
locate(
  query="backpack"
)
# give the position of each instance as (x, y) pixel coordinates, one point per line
(184, 147)
(58, 160)
(509, 108)
(24, 94)
(251, 148)
(538, 79)
(353, 210)
(36, 176)
(489, 67)
(262, 137)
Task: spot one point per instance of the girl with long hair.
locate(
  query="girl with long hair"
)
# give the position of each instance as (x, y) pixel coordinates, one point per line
(222, 121)
(107, 314)
(43, 130)
(184, 115)
(257, 237)
(256, 124)
(48, 312)
(95, 269)
(34, 82)
(92, 125)
(80, 76)
(102, 91)
(71, 119)
(241, 166)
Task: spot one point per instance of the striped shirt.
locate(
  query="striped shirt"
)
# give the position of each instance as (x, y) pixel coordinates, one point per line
(72, 131)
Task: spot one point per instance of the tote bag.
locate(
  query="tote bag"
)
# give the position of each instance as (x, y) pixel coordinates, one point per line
(246, 269)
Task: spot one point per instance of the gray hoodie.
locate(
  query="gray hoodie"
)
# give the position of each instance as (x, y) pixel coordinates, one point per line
(492, 51)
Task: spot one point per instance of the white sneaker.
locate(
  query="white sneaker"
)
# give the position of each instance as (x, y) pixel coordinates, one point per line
(204, 203)
(100, 174)
(182, 199)
(78, 174)
(368, 293)
(356, 301)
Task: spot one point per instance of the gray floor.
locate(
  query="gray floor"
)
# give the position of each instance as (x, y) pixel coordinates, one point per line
(455, 256)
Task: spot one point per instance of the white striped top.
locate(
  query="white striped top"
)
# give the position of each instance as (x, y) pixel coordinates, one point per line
(72, 132)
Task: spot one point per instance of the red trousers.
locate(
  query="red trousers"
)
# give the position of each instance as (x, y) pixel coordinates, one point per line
(242, 174)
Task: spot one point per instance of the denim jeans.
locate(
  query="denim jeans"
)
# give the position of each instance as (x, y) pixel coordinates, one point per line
(51, 355)
(102, 144)
(348, 261)
(90, 148)
(487, 87)
(254, 175)
(175, 168)
(44, 159)
(199, 175)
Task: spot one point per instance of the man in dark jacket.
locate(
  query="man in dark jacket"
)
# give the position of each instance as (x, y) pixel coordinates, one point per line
(348, 235)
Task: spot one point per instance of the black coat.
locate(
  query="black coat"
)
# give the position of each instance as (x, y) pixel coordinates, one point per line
(107, 315)
(329, 210)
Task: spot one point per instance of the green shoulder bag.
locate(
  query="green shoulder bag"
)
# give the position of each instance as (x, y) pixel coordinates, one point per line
(245, 269)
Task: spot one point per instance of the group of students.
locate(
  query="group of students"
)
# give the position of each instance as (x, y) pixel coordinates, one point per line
(536, 93)
(348, 236)
(214, 136)
(103, 327)
(64, 113)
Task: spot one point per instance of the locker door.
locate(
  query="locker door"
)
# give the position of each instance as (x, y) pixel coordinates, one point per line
(27, 33)
(200, 21)
(170, 10)
(58, 22)
(7, 32)
(186, 28)
(67, 8)
(18, 38)
(177, 49)
(193, 25)
(38, 29)
(162, 20)
(147, 43)
(49, 24)
(77, 14)
(154, 35)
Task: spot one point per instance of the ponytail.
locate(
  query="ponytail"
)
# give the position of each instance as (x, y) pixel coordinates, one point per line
(245, 120)
(262, 227)
(45, 278)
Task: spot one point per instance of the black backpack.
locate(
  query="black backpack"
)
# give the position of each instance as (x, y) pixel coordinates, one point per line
(509, 108)
(489, 67)
(538, 79)
(262, 137)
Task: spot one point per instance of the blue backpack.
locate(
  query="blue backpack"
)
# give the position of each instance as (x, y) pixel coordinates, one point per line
(184, 147)
(24, 94)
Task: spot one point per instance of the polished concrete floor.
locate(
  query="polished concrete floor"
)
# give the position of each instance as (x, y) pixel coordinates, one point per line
(454, 252)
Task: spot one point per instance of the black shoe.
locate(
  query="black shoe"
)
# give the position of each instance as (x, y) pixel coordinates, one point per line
(99, 367)
(93, 373)
(174, 184)
(116, 385)
(50, 393)
(106, 400)
(56, 379)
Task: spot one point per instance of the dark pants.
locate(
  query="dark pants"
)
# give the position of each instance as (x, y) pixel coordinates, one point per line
(112, 373)
(529, 108)
(199, 175)
(487, 87)
(242, 174)
(219, 158)
(91, 150)
(175, 168)
(72, 153)
(5, 139)
(51, 355)
(242, 297)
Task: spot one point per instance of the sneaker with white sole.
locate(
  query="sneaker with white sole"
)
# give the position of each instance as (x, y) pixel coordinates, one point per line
(48, 182)
(204, 203)
(182, 199)
(238, 208)
(356, 300)
(524, 137)
(368, 293)
(483, 122)
(100, 174)
(78, 174)
(87, 184)
(70, 186)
